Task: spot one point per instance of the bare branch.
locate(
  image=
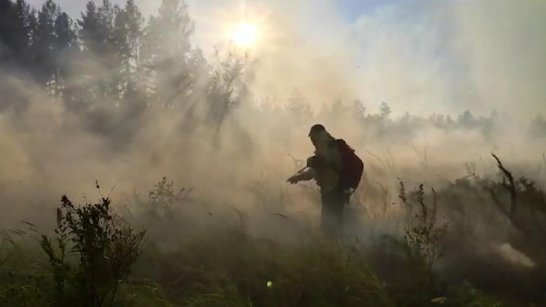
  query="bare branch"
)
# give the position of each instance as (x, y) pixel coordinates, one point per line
(511, 187)
(471, 170)
(402, 194)
(434, 206)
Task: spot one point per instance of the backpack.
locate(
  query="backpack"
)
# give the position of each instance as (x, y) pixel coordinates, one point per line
(352, 166)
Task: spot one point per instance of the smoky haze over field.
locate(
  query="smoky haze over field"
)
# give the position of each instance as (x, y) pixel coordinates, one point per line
(118, 97)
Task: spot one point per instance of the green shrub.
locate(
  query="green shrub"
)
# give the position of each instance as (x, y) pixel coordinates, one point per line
(105, 249)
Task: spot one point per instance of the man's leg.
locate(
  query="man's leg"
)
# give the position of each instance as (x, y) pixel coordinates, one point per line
(332, 213)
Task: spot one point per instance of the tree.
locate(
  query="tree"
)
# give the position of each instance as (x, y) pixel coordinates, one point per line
(44, 40)
(299, 106)
(168, 53)
(16, 24)
(64, 47)
(89, 24)
(7, 24)
(127, 36)
(65, 35)
(24, 21)
(226, 89)
(102, 66)
(52, 43)
(466, 119)
(384, 110)
(133, 23)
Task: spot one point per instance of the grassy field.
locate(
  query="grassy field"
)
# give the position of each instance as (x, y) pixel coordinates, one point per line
(160, 251)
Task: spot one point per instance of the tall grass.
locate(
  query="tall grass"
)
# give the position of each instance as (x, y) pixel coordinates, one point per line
(95, 257)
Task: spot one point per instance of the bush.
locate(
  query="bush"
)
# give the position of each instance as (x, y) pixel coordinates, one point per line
(105, 247)
(422, 234)
(406, 263)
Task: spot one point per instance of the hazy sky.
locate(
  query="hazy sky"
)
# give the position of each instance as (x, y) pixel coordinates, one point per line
(419, 56)
(350, 8)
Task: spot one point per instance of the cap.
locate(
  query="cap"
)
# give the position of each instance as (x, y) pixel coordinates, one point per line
(316, 129)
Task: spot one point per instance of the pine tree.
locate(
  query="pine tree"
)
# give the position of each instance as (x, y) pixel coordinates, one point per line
(64, 50)
(16, 21)
(226, 88)
(127, 35)
(7, 25)
(168, 53)
(101, 65)
(65, 34)
(44, 41)
(89, 23)
(384, 110)
(25, 20)
(134, 22)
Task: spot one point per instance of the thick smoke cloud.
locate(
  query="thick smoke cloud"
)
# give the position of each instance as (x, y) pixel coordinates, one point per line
(424, 91)
(422, 57)
(437, 57)
(419, 56)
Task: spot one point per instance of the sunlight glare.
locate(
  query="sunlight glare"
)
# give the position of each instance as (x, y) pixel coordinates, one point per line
(244, 34)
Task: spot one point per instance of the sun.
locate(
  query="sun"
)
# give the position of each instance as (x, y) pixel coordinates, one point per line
(244, 34)
(247, 28)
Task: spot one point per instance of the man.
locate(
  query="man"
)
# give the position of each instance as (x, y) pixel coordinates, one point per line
(326, 168)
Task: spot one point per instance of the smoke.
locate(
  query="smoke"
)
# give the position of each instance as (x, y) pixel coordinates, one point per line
(422, 57)
(419, 56)
(445, 57)
(428, 60)
(505, 56)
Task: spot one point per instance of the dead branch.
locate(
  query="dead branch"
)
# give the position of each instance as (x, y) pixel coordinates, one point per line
(421, 201)
(402, 194)
(434, 206)
(511, 187)
(471, 170)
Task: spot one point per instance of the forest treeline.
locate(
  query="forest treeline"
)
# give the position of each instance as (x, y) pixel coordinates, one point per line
(111, 64)
(112, 60)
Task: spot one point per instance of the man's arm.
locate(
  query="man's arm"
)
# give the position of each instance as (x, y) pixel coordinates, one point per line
(306, 175)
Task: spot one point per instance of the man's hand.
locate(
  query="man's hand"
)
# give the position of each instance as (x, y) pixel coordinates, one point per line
(293, 179)
(303, 175)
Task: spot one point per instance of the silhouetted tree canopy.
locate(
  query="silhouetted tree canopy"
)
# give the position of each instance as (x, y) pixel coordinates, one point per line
(111, 64)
